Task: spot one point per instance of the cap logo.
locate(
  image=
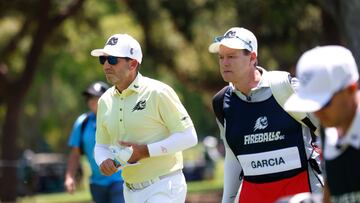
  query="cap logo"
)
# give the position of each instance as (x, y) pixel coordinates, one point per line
(131, 51)
(230, 34)
(305, 78)
(112, 41)
(97, 87)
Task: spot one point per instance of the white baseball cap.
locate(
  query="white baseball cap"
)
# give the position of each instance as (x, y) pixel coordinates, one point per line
(120, 45)
(322, 71)
(235, 38)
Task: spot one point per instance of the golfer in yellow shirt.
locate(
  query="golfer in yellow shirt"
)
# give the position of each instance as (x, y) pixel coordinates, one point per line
(145, 119)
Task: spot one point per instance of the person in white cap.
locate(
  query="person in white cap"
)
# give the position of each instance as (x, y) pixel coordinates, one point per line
(146, 118)
(329, 88)
(268, 152)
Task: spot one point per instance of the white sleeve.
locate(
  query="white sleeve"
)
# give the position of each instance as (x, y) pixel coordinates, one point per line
(232, 170)
(174, 143)
(101, 153)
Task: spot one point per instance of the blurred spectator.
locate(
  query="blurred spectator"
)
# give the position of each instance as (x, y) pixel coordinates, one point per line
(211, 155)
(104, 189)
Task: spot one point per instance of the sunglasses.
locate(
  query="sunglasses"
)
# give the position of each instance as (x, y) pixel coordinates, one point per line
(112, 60)
(220, 38)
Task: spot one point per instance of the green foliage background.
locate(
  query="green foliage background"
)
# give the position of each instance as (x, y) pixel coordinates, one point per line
(174, 35)
(45, 60)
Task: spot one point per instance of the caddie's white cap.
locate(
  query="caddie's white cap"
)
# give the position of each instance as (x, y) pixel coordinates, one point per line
(120, 45)
(322, 71)
(235, 38)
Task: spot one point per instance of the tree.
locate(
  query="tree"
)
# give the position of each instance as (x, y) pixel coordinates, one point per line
(174, 36)
(346, 16)
(38, 24)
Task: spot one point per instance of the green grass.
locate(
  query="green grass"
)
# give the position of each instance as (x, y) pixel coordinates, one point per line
(83, 194)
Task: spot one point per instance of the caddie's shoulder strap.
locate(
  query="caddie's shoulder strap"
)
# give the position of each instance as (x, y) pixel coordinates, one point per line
(218, 104)
(82, 130)
(282, 89)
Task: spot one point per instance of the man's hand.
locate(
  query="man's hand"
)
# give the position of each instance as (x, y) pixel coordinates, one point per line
(72, 166)
(108, 167)
(70, 184)
(139, 151)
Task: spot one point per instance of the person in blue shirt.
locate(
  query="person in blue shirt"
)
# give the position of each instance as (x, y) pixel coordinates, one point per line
(104, 189)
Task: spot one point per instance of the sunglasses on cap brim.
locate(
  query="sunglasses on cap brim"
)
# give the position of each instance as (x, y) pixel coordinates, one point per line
(112, 60)
(220, 38)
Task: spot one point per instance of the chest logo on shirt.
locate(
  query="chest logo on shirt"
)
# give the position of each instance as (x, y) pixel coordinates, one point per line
(261, 123)
(139, 106)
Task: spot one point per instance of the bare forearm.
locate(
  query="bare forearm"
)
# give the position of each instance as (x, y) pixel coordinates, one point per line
(73, 163)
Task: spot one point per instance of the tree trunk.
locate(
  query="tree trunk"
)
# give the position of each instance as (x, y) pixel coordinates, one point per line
(15, 92)
(345, 13)
(350, 17)
(9, 150)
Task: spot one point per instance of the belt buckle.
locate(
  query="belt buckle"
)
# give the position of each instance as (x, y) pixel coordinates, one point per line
(139, 186)
(129, 185)
(145, 184)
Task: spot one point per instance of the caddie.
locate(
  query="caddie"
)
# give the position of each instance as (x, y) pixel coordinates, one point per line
(269, 152)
